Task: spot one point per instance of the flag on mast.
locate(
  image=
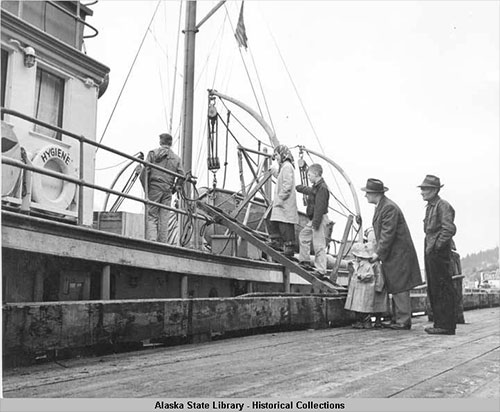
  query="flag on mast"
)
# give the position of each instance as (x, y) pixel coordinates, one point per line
(241, 35)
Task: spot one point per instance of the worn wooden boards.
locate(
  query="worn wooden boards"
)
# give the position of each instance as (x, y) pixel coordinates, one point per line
(327, 363)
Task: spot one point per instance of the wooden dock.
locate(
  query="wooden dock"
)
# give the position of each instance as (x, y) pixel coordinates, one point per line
(329, 363)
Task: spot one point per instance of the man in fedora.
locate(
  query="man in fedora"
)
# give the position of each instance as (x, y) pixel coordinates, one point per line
(396, 252)
(439, 230)
(160, 187)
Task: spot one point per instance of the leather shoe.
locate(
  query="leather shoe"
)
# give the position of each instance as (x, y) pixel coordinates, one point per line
(386, 324)
(439, 331)
(399, 326)
(321, 276)
(306, 265)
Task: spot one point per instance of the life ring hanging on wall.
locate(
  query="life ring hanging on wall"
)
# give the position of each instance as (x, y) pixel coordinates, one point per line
(12, 149)
(50, 191)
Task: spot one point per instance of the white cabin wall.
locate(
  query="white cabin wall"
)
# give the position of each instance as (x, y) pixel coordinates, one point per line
(81, 118)
(19, 90)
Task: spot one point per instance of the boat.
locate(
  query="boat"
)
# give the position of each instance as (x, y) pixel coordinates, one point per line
(38, 207)
(75, 277)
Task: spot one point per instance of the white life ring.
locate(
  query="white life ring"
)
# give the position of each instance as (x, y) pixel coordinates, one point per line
(50, 191)
(10, 148)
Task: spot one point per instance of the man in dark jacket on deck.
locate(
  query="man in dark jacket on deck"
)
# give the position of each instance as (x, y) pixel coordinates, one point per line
(439, 228)
(160, 187)
(396, 252)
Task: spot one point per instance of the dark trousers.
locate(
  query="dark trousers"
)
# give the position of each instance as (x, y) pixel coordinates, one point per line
(440, 289)
(281, 230)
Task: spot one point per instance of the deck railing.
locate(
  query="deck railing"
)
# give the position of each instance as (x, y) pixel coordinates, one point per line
(80, 181)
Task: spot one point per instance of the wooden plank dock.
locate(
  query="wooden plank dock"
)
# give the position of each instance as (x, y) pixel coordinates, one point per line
(328, 363)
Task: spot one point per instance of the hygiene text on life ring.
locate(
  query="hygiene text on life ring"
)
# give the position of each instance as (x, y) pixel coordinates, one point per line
(55, 152)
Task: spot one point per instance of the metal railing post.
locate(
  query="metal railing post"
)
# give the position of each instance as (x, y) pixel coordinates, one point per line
(80, 185)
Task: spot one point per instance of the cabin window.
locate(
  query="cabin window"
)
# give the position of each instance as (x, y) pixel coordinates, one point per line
(5, 59)
(11, 6)
(51, 19)
(49, 102)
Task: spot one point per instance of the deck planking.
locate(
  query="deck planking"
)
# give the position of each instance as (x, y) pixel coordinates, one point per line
(327, 363)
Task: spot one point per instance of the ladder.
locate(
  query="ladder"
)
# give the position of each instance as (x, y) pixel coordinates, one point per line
(259, 241)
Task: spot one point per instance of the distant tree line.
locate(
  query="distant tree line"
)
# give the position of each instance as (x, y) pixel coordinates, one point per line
(483, 261)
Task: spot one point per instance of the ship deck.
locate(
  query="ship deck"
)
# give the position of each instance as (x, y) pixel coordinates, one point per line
(328, 363)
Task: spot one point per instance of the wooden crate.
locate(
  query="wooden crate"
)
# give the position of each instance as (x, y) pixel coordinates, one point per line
(122, 223)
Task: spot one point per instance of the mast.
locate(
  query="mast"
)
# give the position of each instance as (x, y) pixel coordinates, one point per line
(188, 99)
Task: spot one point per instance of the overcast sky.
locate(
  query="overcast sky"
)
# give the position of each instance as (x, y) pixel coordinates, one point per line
(394, 90)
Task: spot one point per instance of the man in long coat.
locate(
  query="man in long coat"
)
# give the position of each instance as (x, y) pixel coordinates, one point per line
(439, 228)
(396, 251)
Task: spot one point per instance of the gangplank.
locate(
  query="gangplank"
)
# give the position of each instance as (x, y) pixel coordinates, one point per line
(259, 242)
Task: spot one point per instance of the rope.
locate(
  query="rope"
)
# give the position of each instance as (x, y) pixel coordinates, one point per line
(220, 48)
(175, 69)
(296, 91)
(226, 149)
(246, 129)
(129, 72)
(338, 187)
(111, 167)
(262, 91)
(303, 107)
(244, 64)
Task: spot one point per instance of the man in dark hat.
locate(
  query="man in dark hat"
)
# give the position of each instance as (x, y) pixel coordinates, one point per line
(160, 187)
(396, 252)
(439, 230)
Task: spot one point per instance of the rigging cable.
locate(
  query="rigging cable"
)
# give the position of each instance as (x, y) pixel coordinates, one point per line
(129, 72)
(303, 106)
(175, 69)
(112, 166)
(296, 91)
(338, 187)
(201, 130)
(244, 127)
(234, 137)
(262, 91)
(219, 54)
(225, 156)
(245, 65)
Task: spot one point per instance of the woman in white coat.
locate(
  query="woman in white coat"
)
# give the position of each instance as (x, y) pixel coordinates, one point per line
(284, 214)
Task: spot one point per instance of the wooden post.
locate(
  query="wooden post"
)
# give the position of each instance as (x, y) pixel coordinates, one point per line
(86, 289)
(343, 244)
(286, 280)
(38, 289)
(106, 283)
(184, 287)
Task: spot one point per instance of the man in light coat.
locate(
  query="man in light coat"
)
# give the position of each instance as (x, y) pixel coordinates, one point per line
(396, 252)
(160, 187)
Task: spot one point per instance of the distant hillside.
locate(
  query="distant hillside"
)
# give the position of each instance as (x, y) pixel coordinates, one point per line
(473, 264)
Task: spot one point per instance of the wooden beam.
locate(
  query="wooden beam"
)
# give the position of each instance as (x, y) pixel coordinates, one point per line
(252, 193)
(184, 292)
(286, 280)
(343, 244)
(83, 243)
(106, 282)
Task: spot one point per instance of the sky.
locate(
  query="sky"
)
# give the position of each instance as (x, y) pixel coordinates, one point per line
(388, 90)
